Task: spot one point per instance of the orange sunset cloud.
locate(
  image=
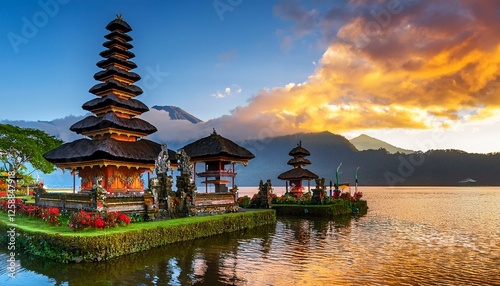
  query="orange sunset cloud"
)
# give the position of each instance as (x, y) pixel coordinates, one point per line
(416, 65)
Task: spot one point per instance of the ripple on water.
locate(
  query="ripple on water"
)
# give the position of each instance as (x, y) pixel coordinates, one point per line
(410, 236)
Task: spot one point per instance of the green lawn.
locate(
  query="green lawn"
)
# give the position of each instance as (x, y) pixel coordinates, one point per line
(38, 225)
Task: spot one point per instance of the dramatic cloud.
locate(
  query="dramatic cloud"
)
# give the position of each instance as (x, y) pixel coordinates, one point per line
(390, 64)
(413, 65)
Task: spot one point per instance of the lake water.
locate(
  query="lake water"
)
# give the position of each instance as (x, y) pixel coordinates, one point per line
(410, 236)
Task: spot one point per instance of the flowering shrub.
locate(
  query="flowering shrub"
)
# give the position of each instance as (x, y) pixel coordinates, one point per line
(244, 202)
(98, 222)
(306, 199)
(30, 210)
(123, 218)
(82, 220)
(18, 202)
(285, 199)
(49, 214)
(358, 196)
(346, 196)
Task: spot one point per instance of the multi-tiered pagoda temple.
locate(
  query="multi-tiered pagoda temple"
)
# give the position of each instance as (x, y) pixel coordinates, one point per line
(114, 148)
(298, 174)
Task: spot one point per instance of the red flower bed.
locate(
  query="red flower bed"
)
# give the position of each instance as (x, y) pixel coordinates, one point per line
(82, 220)
(78, 221)
(50, 214)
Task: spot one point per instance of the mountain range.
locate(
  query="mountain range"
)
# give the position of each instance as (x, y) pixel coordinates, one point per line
(376, 167)
(365, 142)
(177, 113)
(379, 162)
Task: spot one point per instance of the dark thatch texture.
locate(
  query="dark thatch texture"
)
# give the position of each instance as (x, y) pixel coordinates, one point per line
(119, 24)
(85, 149)
(81, 150)
(111, 120)
(110, 51)
(214, 146)
(299, 151)
(114, 100)
(297, 174)
(118, 35)
(116, 71)
(113, 59)
(115, 41)
(299, 161)
(110, 84)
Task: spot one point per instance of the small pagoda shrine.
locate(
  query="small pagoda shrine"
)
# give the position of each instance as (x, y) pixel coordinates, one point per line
(298, 174)
(217, 152)
(114, 148)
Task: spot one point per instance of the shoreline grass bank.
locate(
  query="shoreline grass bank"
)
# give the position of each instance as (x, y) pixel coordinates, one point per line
(61, 244)
(358, 207)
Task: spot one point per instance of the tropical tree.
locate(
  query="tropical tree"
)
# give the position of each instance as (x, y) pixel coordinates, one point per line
(20, 146)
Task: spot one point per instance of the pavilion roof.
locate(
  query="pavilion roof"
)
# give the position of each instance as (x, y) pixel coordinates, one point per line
(215, 145)
(299, 161)
(297, 173)
(299, 151)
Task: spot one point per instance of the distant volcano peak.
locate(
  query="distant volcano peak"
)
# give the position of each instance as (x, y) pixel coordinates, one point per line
(177, 113)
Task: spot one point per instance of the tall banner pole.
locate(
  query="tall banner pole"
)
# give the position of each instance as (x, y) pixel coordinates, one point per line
(356, 185)
(337, 176)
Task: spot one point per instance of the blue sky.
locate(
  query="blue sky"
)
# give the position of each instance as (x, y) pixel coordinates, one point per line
(188, 51)
(418, 74)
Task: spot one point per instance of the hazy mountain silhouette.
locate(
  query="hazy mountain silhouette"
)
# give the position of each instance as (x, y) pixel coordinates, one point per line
(177, 113)
(376, 167)
(365, 142)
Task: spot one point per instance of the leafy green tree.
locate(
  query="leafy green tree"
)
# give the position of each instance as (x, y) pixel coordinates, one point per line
(20, 146)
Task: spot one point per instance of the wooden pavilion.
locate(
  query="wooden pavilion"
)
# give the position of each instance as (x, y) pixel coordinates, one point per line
(217, 152)
(298, 174)
(114, 147)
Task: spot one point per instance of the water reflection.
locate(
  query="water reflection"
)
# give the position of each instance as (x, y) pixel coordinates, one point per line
(413, 236)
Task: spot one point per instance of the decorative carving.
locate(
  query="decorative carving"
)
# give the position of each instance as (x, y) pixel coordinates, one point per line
(184, 164)
(186, 189)
(162, 164)
(98, 194)
(265, 191)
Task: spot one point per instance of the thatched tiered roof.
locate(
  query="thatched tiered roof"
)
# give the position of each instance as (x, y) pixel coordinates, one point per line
(113, 100)
(299, 151)
(297, 173)
(111, 120)
(298, 160)
(107, 148)
(215, 145)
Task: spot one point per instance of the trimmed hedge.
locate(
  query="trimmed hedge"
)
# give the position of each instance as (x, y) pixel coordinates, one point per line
(361, 205)
(342, 208)
(80, 247)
